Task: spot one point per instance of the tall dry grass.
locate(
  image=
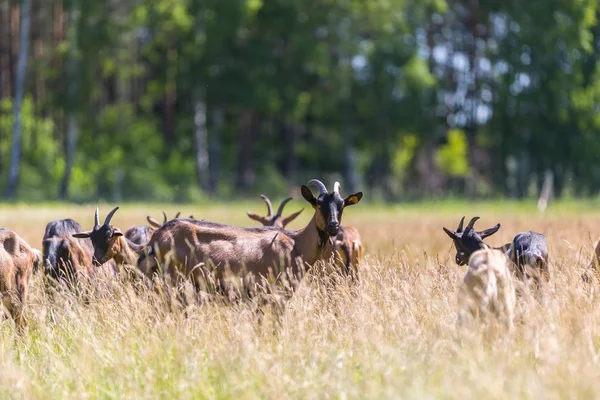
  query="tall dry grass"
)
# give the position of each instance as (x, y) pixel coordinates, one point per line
(391, 336)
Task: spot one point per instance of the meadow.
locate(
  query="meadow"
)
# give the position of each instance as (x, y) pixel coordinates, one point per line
(391, 336)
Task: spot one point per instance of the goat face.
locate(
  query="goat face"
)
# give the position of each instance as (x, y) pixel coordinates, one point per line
(329, 206)
(469, 240)
(104, 238)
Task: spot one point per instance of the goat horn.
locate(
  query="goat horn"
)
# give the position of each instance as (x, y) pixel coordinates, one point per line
(472, 222)
(97, 217)
(269, 205)
(319, 184)
(336, 187)
(178, 214)
(110, 215)
(460, 225)
(283, 203)
(164, 217)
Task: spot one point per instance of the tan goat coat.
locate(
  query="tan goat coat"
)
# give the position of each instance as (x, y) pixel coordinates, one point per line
(488, 290)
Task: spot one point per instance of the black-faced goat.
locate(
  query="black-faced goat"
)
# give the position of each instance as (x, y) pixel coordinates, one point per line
(184, 247)
(526, 249)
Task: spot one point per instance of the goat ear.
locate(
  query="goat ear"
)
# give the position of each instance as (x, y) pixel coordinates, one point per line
(116, 232)
(290, 218)
(82, 235)
(153, 222)
(452, 235)
(353, 199)
(307, 194)
(256, 217)
(489, 232)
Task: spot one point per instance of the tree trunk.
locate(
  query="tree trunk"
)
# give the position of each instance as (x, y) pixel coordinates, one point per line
(350, 159)
(71, 144)
(214, 149)
(290, 133)
(201, 140)
(15, 162)
(4, 49)
(245, 177)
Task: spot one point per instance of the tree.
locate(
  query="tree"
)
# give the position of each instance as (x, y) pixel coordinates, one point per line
(15, 162)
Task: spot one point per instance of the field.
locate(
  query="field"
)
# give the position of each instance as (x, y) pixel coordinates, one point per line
(393, 336)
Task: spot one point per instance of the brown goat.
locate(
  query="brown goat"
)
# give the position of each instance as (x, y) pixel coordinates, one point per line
(181, 246)
(271, 219)
(346, 245)
(17, 261)
(110, 244)
(488, 289)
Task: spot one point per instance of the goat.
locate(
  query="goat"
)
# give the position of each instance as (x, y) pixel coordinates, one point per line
(346, 244)
(182, 245)
(271, 219)
(65, 257)
(110, 244)
(17, 262)
(526, 249)
(487, 289)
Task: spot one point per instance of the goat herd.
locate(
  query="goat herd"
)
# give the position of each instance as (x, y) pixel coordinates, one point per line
(183, 249)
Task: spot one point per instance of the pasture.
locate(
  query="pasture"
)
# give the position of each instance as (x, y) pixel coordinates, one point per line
(391, 336)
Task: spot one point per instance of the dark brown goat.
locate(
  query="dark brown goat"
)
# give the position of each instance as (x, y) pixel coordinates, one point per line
(65, 257)
(17, 262)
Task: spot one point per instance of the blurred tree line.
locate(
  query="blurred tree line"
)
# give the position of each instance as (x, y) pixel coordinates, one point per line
(177, 99)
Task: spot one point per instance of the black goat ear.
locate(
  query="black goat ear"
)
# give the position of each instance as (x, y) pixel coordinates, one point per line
(452, 235)
(489, 232)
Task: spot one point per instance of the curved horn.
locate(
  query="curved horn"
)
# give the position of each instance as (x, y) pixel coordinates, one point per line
(110, 215)
(336, 187)
(282, 205)
(319, 184)
(97, 217)
(177, 215)
(269, 205)
(164, 217)
(460, 225)
(472, 222)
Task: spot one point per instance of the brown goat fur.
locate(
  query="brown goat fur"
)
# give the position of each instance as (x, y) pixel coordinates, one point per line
(345, 248)
(186, 248)
(142, 234)
(17, 261)
(487, 290)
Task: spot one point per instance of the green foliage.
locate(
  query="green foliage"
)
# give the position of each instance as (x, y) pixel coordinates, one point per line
(42, 164)
(452, 157)
(404, 155)
(299, 88)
